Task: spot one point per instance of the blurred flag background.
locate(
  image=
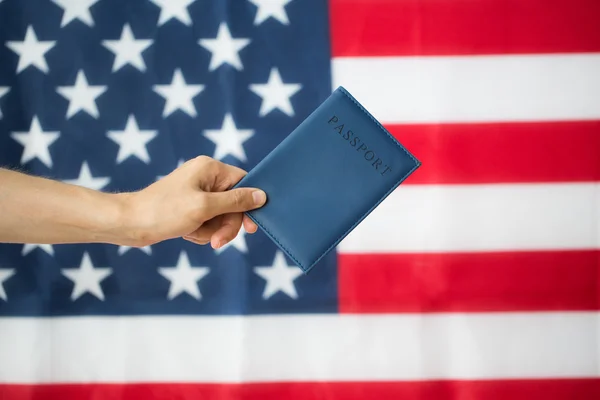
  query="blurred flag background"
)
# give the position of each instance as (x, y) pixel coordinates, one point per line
(477, 279)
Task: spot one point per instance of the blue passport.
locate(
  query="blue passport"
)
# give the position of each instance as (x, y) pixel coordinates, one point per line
(325, 177)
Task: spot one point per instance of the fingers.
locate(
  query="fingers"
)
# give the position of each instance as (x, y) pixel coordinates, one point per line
(233, 174)
(232, 201)
(229, 229)
(193, 240)
(221, 230)
(219, 175)
(249, 225)
(216, 198)
(203, 234)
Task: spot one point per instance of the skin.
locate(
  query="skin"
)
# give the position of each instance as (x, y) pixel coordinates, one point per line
(192, 202)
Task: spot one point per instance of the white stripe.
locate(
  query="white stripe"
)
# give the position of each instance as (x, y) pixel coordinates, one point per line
(418, 218)
(304, 347)
(474, 88)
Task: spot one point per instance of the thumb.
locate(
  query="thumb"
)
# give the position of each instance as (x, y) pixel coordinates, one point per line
(234, 200)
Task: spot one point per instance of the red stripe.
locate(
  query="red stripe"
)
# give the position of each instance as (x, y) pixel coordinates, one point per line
(503, 152)
(440, 27)
(551, 389)
(469, 282)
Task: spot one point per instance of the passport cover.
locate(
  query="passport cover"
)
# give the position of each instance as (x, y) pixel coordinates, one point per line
(325, 177)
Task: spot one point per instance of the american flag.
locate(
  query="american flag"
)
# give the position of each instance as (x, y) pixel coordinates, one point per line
(478, 278)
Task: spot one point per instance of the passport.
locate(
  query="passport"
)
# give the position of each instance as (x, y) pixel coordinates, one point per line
(326, 177)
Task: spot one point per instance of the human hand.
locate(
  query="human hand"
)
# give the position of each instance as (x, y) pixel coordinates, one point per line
(193, 202)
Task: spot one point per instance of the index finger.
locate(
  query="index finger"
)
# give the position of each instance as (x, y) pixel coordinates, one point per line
(222, 176)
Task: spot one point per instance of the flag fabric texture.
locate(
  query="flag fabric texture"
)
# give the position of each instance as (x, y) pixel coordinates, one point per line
(478, 278)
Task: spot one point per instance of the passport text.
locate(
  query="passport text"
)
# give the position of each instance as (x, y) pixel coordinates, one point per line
(362, 148)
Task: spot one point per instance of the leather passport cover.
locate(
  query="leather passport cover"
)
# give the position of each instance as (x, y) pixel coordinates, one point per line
(325, 177)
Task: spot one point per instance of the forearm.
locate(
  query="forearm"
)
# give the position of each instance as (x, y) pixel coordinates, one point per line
(40, 210)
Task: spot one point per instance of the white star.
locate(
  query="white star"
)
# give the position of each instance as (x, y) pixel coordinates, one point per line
(87, 278)
(275, 94)
(184, 277)
(178, 95)
(224, 49)
(73, 9)
(128, 50)
(270, 8)
(124, 249)
(36, 143)
(132, 141)
(31, 51)
(3, 91)
(81, 96)
(86, 179)
(4, 275)
(29, 247)
(239, 242)
(174, 9)
(229, 139)
(279, 277)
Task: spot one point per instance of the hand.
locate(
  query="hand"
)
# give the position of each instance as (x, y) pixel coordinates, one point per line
(194, 202)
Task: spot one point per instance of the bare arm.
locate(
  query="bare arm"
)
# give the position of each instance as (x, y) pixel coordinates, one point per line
(192, 202)
(39, 210)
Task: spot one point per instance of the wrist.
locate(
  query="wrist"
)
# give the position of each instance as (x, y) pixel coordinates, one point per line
(127, 227)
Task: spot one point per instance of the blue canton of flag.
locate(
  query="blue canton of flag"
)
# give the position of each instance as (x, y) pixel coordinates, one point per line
(114, 94)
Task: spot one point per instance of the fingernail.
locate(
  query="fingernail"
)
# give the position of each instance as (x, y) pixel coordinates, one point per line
(259, 197)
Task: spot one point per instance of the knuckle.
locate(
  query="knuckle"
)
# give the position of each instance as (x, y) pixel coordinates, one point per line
(203, 162)
(239, 200)
(203, 159)
(211, 166)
